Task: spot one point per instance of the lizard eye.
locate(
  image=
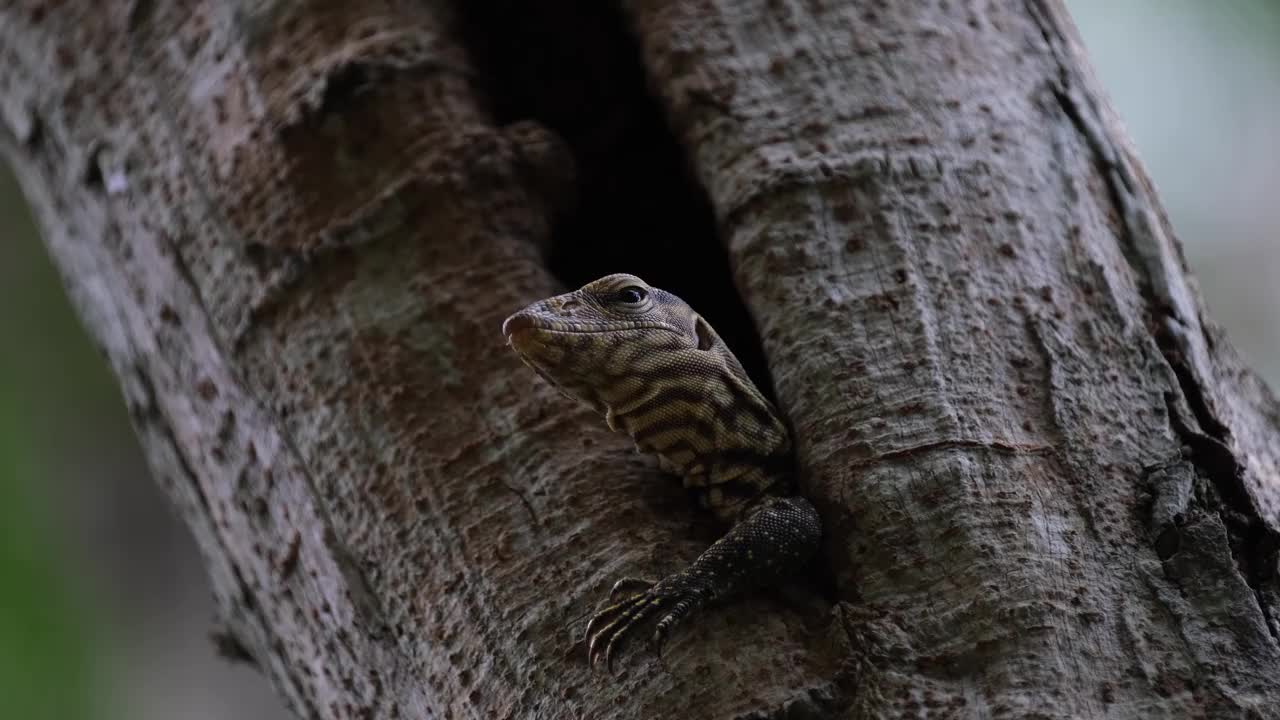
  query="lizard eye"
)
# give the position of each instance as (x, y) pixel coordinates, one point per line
(632, 295)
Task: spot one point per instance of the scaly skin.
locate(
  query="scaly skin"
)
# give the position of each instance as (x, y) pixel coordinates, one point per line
(657, 371)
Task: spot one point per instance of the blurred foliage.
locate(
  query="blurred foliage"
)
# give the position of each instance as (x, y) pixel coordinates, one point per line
(44, 654)
(45, 643)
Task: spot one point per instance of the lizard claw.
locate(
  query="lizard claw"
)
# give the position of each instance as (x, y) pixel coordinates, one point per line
(609, 629)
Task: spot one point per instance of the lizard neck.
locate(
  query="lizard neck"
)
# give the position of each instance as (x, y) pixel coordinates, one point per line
(708, 423)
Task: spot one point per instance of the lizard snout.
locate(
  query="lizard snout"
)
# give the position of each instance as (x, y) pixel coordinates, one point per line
(517, 322)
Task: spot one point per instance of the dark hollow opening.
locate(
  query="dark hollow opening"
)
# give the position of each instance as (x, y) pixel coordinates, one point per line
(574, 67)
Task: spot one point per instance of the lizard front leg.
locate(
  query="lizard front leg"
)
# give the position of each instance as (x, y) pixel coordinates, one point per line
(767, 545)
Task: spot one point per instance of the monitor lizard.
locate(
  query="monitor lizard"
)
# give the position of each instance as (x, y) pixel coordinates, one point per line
(657, 371)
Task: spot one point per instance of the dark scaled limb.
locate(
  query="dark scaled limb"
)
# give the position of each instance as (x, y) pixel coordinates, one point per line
(773, 541)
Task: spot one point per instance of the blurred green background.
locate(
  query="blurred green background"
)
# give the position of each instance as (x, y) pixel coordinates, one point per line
(104, 606)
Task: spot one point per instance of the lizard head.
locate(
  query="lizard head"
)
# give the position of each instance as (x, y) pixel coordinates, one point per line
(606, 333)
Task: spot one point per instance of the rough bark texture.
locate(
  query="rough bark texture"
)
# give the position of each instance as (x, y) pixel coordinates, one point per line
(1050, 487)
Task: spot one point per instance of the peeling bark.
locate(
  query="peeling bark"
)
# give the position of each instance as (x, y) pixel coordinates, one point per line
(1049, 484)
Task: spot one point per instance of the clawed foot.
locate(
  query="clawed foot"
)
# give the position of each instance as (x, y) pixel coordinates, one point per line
(632, 601)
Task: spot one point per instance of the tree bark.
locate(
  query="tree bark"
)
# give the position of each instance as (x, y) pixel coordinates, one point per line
(1049, 485)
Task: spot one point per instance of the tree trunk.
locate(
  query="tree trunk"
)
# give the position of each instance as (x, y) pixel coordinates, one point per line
(1048, 483)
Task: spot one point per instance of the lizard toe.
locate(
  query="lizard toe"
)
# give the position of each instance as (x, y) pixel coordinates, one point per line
(678, 611)
(629, 587)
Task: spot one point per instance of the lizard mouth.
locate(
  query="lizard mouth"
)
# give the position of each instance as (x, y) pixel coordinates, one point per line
(544, 367)
(522, 323)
